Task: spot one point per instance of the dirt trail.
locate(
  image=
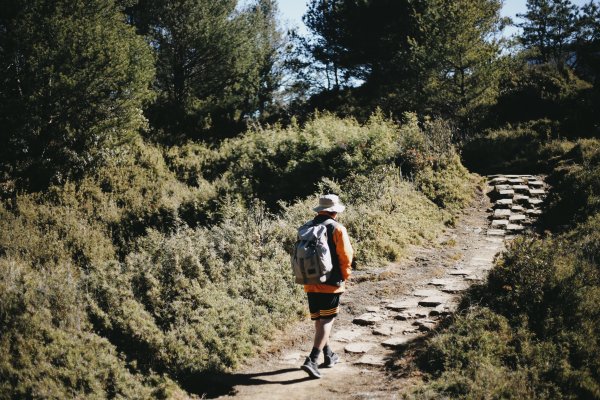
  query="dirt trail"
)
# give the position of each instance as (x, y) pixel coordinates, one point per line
(382, 310)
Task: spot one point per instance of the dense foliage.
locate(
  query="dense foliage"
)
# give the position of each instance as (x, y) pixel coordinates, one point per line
(74, 77)
(167, 263)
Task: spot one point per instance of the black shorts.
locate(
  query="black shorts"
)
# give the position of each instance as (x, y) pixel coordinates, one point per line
(323, 305)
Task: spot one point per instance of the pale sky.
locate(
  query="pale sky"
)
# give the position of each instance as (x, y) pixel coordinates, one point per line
(292, 11)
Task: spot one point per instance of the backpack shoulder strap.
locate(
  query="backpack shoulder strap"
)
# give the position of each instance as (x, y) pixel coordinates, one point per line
(330, 222)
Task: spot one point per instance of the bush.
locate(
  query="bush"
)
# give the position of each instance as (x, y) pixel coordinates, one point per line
(175, 262)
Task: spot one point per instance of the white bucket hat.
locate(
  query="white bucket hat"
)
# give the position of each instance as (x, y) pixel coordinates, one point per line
(331, 203)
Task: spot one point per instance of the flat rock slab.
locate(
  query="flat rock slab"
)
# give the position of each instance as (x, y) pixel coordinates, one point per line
(368, 319)
(502, 187)
(500, 179)
(535, 202)
(521, 188)
(443, 281)
(347, 336)
(498, 223)
(426, 292)
(517, 209)
(403, 304)
(474, 278)
(358, 347)
(516, 181)
(412, 314)
(372, 360)
(460, 272)
(501, 213)
(433, 301)
(517, 217)
(537, 192)
(495, 232)
(515, 227)
(398, 341)
(534, 212)
(506, 193)
(426, 325)
(504, 203)
(455, 288)
(536, 183)
(390, 329)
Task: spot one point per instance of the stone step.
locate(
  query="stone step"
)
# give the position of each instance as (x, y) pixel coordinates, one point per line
(455, 288)
(368, 319)
(537, 192)
(426, 293)
(502, 187)
(535, 202)
(403, 304)
(460, 272)
(506, 193)
(503, 203)
(515, 227)
(347, 336)
(501, 213)
(397, 342)
(499, 179)
(517, 218)
(426, 325)
(434, 301)
(359, 347)
(392, 329)
(521, 199)
(412, 313)
(534, 213)
(520, 188)
(499, 223)
(374, 360)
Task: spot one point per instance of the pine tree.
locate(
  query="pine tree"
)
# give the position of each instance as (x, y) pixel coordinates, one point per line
(214, 61)
(455, 57)
(549, 26)
(73, 79)
(587, 42)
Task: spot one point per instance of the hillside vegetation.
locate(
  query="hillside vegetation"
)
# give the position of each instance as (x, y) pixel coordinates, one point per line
(532, 330)
(167, 263)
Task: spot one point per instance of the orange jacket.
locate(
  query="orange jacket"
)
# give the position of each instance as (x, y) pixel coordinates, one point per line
(344, 251)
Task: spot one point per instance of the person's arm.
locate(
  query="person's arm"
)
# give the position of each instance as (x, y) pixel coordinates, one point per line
(344, 250)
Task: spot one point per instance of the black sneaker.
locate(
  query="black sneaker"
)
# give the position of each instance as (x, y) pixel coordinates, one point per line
(331, 360)
(311, 368)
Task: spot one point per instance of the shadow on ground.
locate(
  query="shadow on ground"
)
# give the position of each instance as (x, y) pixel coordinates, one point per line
(213, 385)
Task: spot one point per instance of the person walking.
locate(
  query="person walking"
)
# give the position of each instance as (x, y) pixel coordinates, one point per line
(324, 298)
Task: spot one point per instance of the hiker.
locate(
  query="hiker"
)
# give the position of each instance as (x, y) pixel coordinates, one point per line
(324, 298)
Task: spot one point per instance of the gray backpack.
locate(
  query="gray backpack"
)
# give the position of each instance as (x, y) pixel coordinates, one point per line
(311, 259)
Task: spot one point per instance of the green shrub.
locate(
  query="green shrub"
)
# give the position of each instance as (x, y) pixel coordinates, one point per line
(47, 349)
(174, 262)
(576, 186)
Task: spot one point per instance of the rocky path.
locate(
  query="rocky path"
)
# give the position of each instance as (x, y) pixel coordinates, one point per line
(384, 310)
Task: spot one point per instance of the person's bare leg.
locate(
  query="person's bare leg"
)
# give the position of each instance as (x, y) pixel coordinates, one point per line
(322, 332)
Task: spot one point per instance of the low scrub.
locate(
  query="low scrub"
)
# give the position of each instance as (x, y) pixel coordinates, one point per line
(168, 263)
